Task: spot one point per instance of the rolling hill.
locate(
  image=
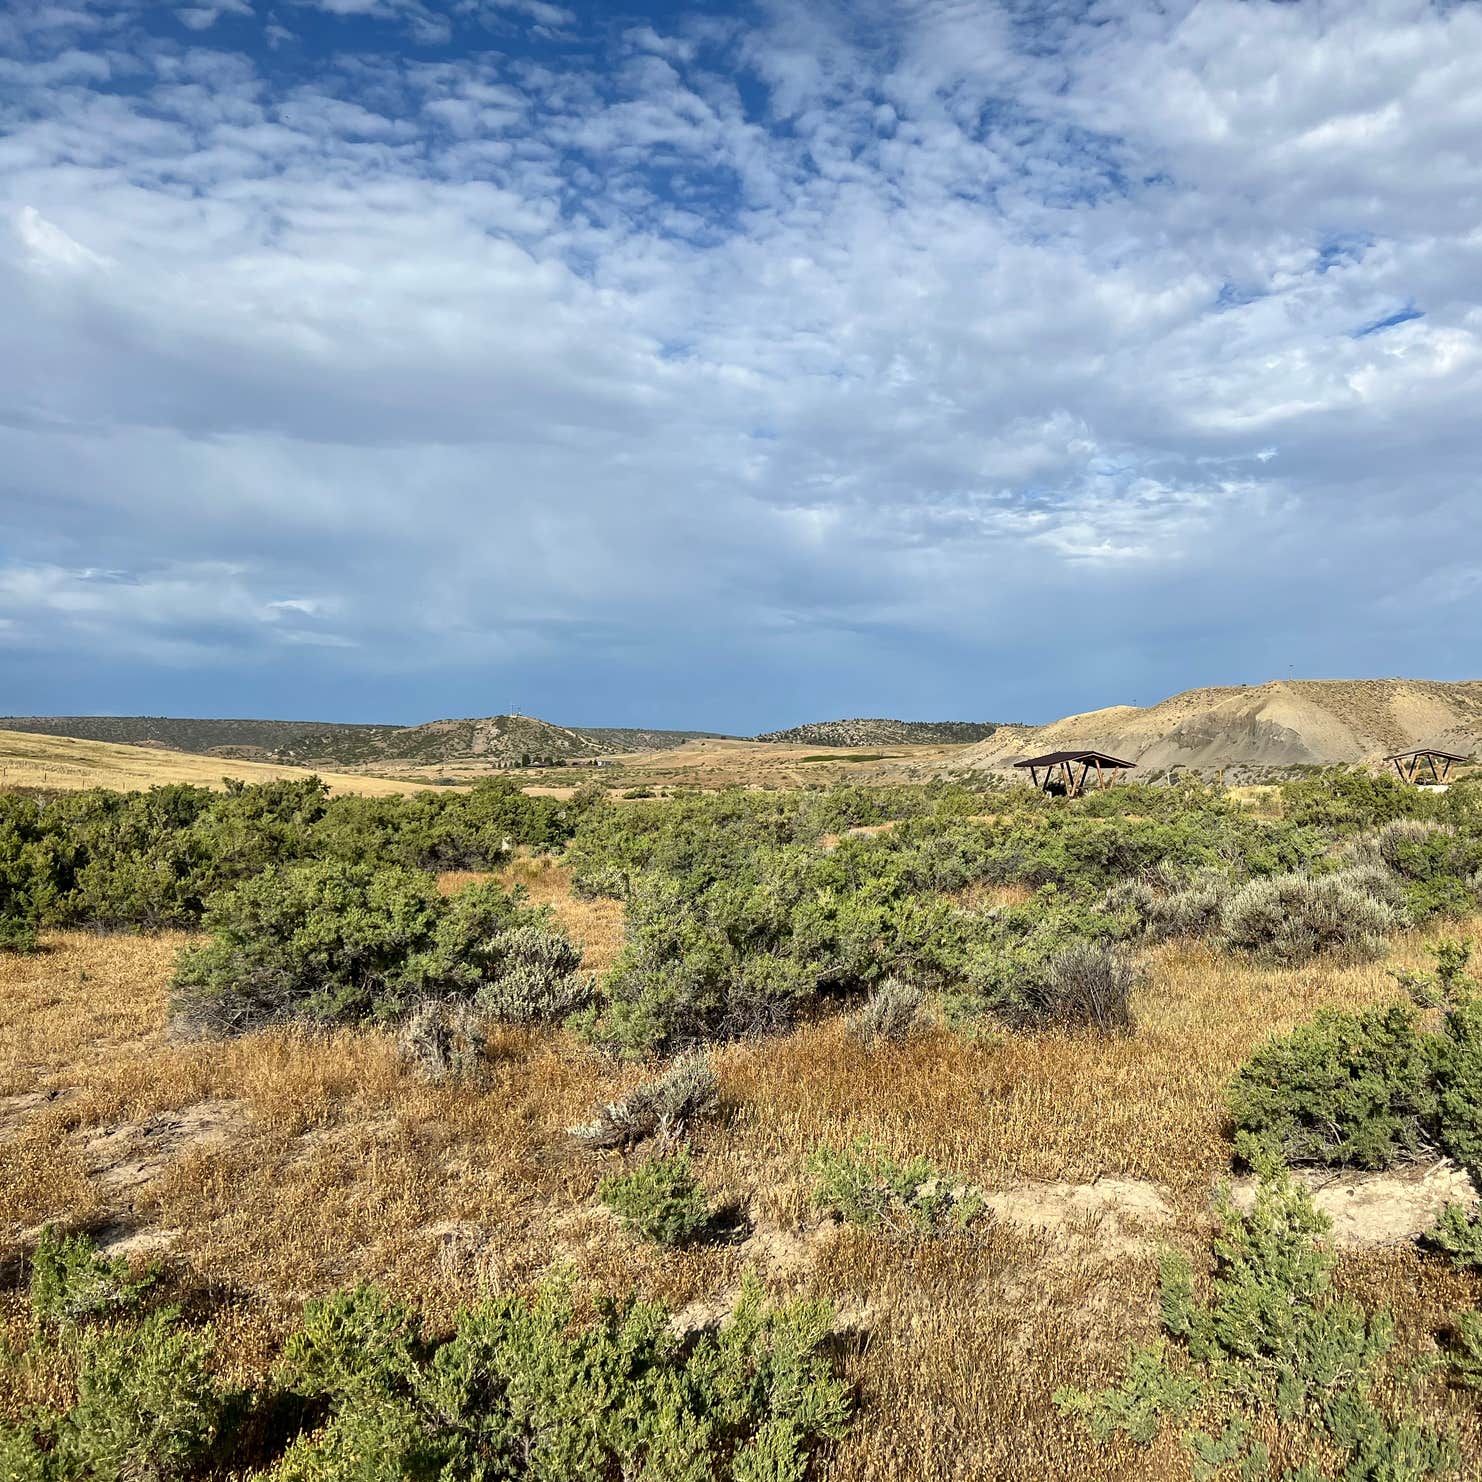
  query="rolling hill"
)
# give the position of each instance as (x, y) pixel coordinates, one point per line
(1281, 724)
(67, 763)
(510, 739)
(496, 740)
(880, 732)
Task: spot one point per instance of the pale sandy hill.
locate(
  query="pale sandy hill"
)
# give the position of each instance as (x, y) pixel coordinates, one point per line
(66, 762)
(1281, 724)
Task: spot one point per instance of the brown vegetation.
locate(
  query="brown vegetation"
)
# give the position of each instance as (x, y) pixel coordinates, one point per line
(64, 763)
(281, 1165)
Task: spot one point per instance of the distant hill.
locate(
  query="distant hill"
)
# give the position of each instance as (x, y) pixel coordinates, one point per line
(495, 740)
(250, 740)
(884, 733)
(509, 739)
(1285, 723)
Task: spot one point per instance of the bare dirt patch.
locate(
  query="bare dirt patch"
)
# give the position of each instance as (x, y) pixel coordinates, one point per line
(1390, 1208)
(15, 1111)
(1116, 1213)
(124, 1158)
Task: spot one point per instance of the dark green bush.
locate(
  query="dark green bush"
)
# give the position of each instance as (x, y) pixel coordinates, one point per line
(330, 943)
(1458, 1234)
(71, 1282)
(661, 1200)
(1348, 1088)
(1348, 800)
(152, 859)
(1015, 965)
(523, 1389)
(1373, 1088)
(18, 934)
(146, 1410)
(1457, 1062)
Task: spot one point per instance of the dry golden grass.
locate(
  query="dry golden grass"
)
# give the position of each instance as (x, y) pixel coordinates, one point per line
(595, 925)
(984, 897)
(727, 763)
(332, 1162)
(64, 762)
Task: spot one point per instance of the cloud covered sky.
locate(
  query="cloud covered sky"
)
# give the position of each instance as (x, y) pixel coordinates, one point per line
(734, 365)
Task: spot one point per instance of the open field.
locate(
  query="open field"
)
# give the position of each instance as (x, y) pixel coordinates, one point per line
(277, 1166)
(63, 762)
(721, 763)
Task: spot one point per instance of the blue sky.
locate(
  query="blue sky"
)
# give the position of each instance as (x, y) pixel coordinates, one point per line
(729, 365)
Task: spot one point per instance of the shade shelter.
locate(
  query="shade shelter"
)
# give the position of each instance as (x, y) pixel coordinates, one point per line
(1409, 764)
(1061, 774)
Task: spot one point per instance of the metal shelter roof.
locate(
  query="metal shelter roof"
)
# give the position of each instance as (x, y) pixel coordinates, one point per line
(1054, 758)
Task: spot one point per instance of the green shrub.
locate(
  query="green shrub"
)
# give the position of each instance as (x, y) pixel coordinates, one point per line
(71, 1282)
(1015, 964)
(18, 934)
(1152, 1391)
(1458, 1234)
(1289, 919)
(661, 1200)
(1466, 1353)
(1348, 800)
(151, 859)
(1347, 1088)
(865, 1186)
(1457, 1058)
(1375, 1087)
(326, 942)
(521, 1388)
(1276, 1346)
(1438, 864)
(147, 1409)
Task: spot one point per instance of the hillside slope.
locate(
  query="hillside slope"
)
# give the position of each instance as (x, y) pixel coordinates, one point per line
(881, 732)
(66, 763)
(509, 739)
(251, 739)
(1280, 724)
(494, 740)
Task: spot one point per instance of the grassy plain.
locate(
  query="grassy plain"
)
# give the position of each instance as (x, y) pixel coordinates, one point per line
(63, 762)
(721, 763)
(278, 1166)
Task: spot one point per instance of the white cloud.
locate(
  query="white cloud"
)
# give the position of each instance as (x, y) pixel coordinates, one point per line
(940, 319)
(203, 17)
(49, 247)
